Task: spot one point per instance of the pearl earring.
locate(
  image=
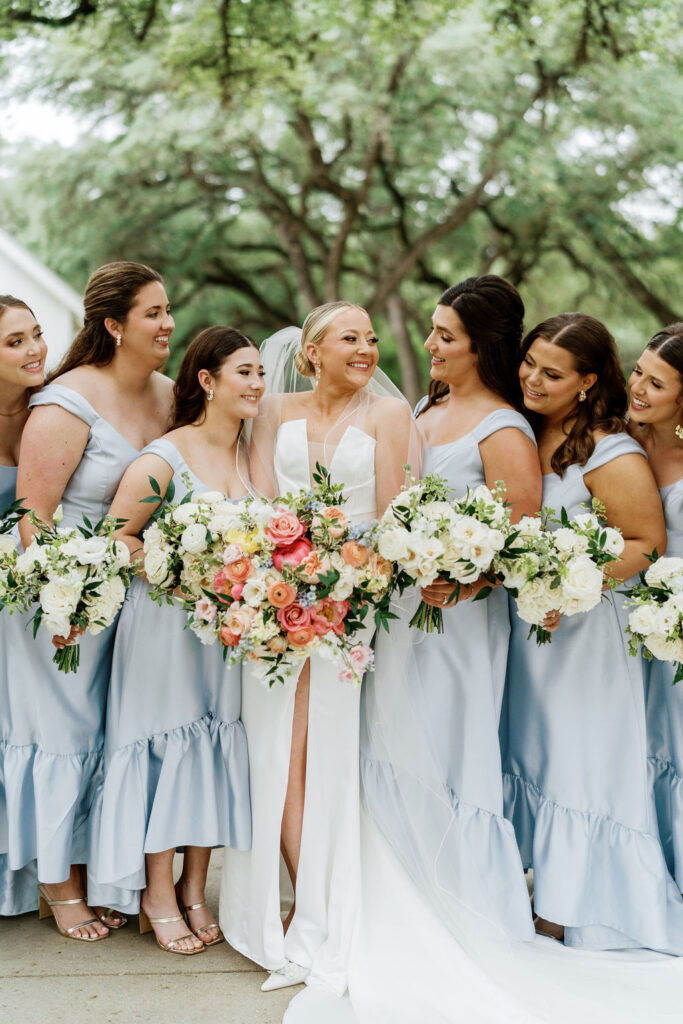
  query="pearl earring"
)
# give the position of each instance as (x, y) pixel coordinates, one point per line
(679, 431)
(317, 374)
(118, 341)
(582, 395)
(209, 397)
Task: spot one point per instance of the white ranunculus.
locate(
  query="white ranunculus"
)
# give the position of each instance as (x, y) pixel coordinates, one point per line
(186, 514)
(614, 543)
(582, 586)
(156, 565)
(394, 543)
(535, 600)
(209, 498)
(568, 542)
(7, 545)
(665, 571)
(254, 591)
(194, 538)
(645, 619)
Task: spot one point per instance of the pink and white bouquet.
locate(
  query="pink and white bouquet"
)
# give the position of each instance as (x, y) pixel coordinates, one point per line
(276, 582)
(431, 535)
(656, 621)
(559, 570)
(76, 577)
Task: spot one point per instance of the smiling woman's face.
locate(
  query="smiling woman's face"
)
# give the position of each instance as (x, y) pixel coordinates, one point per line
(348, 352)
(656, 392)
(22, 348)
(550, 380)
(450, 346)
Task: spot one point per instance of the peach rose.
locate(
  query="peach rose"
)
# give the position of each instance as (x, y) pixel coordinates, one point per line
(284, 528)
(314, 566)
(281, 594)
(227, 638)
(334, 518)
(354, 554)
(300, 637)
(294, 617)
(380, 566)
(293, 555)
(277, 644)
(329, 615)
(239, 570)
(239, 618)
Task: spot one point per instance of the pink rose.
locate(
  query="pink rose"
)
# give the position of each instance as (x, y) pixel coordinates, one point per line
(239, 570)
(205, 610)
(281, 594)
(360, 656)
(221, 584)
(300, 637)
(239, 618)
(347, 675)
(294, 617)
(293, 555)
(284, 528)
(329, 615)
(237, 589)
(232, 553)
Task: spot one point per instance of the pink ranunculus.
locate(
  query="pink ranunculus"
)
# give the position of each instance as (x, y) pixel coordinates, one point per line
(239, 570)
(300, 637)
(354, 554)
(237, 589)
(329, 615)
(347, 675)
(228, 638)
(360, 656)
(293, 555)
(239, 618)
(294, 617)
(205, 610)
(284, 528)
(281, 594)
(232, 553)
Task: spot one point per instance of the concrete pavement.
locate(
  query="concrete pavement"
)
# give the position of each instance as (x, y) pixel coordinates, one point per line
(45, 977)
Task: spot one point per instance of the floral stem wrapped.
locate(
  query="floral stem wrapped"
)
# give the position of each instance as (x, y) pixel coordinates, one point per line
(656, 621)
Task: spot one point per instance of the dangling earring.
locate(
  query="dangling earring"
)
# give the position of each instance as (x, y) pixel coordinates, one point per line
(209, 397)
(118, 341)
(317, 373)
(679, 431)
(582, 395)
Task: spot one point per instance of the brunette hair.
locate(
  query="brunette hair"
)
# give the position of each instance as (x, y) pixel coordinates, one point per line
(667, 343)
(110, 292)
(492, 313)
(12, 302)
(313, 330)
(594, 351)
(208, 351)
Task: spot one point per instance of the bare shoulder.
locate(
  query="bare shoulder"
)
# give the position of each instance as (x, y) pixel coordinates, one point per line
(86, 380)
(162, 384)
(385, 407)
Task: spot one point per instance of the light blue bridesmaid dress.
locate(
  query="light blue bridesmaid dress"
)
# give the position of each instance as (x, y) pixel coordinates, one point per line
(575, 767)
(445, 820)
(176, 766)
(53, 743)
(664, 704)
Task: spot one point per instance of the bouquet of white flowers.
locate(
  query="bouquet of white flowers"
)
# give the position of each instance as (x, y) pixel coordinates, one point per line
(8, 547)
(273, 582)
(559, 570)
(77, 577)
(656, 621)
(430, 534)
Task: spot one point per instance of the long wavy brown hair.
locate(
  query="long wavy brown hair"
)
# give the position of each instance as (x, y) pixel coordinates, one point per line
(667, 343)
(594, 351)
(110, 292)
(208, 351)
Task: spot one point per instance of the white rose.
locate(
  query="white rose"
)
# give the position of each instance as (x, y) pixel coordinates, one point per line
(587, 521)
(152, 537)
(56, 625)
(91, 551)
(645, 619)
(582, 586)
(666, 571)
(254, 591)
(670, 612)
(393, 544)
(105, 607)
(35, 554)
(121, 555)
(529, 526)
(535, 600)
(7, 545)
(438, 510)
(482, 493)
(665, 650)
(568, 542)
(344, 585)
(614, 543)
(210, 498)
(194, 538)
(156, 565)
(60, 596)
(186, 514)
(423, 559)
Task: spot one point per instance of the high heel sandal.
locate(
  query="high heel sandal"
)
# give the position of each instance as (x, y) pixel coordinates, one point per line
(146, 924)
(220, 937)
(107, 912)
(46, 909)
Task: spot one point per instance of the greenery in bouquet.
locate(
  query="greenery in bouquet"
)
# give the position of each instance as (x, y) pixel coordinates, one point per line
(273, 581)
(431, 534)
(76, 577)
(9, 518)
(656, 620)
(560, 569)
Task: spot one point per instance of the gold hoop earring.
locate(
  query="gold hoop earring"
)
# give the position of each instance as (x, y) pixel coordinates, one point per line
(209, 397)
(582, 395)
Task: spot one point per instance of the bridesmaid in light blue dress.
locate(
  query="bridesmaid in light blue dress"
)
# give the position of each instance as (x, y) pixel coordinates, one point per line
(22, 359)
(573, 734)
(176, 768)
(87, 426)
(656, 413)
(455, 841)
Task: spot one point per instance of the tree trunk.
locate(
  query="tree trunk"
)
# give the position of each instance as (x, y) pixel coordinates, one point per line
(411, 384)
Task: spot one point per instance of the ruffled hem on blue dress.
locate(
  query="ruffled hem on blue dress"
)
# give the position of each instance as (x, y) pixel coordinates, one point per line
(477, 861)
(185, 787)
(667, 786)
(623, 895)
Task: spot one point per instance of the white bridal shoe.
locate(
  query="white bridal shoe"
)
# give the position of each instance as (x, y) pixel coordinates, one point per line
(290, 974)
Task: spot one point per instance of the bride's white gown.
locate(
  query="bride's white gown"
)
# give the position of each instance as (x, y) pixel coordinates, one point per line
(328, 882)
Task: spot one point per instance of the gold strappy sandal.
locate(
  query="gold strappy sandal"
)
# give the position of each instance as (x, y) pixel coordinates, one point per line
(220, 937)
(107, 912)
(46, 909)
(168, 947)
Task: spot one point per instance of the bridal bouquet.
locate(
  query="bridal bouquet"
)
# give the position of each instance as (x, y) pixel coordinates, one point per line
(8, 547)
(559, 570)
(77, 577)
(274, 582)
(429, 534)
(656, 621)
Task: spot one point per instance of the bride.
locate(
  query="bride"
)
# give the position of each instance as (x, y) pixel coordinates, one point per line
(304, 735)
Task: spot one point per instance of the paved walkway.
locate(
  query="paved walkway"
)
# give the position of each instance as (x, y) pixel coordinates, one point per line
(46, 978)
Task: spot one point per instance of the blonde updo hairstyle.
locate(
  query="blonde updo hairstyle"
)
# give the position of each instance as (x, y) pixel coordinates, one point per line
(314, 330)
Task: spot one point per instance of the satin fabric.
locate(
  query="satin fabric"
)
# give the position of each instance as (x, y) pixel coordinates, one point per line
(665, 716)
(328, 882)
(432, 781)
(575, 764)
(54, 739)
(176, 767)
